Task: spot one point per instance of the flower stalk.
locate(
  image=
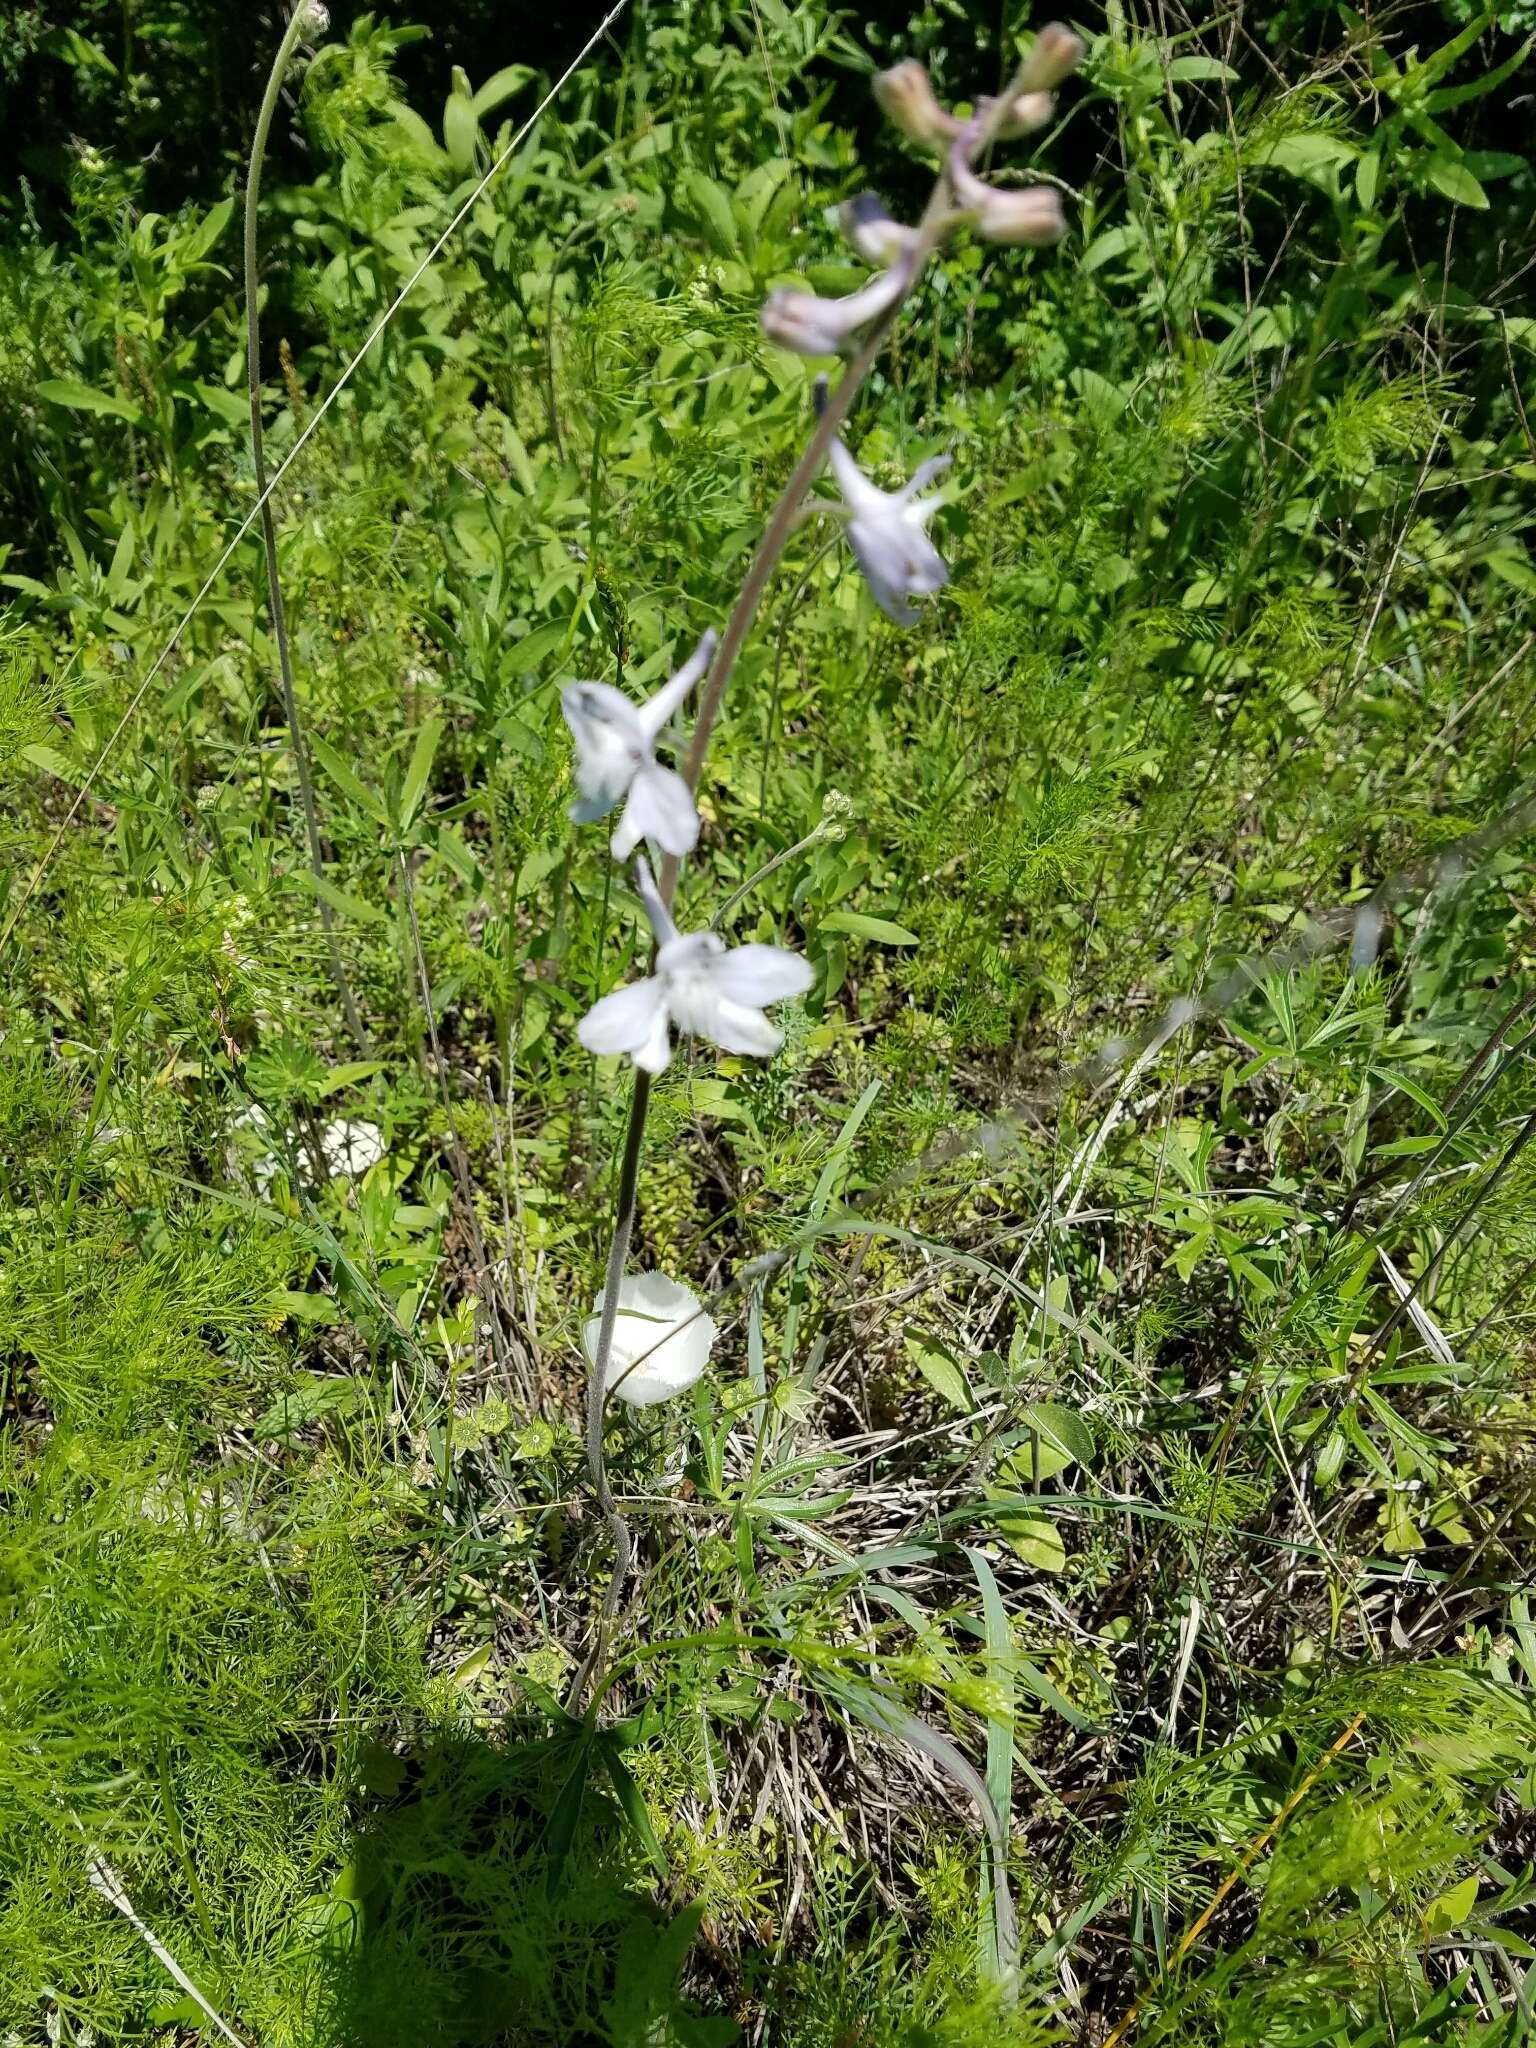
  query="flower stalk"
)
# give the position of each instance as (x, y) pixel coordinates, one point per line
(307, 18)
(813, 326)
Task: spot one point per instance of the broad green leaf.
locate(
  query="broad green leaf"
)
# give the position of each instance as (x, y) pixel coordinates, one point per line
(78, 397)
(461, 131)
(1200, 67)
(1112, 243)
(1308, 156)
(878, 930)
(1059, 1430)
(498, 87)
(1036, 1539)
(1450, 1910)
(314, 1395)
(942, 1374)
(709, 202)
(1450, 176)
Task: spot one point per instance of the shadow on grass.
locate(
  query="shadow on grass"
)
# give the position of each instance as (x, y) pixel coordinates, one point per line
(498, 1892)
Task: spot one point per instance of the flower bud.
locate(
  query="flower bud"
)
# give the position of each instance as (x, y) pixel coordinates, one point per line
(1031, 214)
(1056, 54)
(909, 102)
(873, 232)
(317, 18)
(813, 326)
(1031, 110)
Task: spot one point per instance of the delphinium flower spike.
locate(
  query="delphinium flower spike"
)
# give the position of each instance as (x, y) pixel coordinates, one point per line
(616, 760)
(888, 530)
(700, 986)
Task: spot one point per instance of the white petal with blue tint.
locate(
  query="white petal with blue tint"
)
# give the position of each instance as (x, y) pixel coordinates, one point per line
(701, 987)
(615, 759)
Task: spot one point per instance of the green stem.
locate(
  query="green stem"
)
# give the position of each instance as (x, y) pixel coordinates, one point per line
(268, 529)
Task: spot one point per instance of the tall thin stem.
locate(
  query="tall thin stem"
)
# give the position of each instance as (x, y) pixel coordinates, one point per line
(285, 50)
(781, 526)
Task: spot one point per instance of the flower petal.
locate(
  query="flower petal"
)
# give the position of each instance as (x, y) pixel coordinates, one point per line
(859, 494)
(661, 808)
(760, 975)
(626, 1020)
(739, 1027)
(656, 711)
(874, 556)
(655, 1056)
(924, 473)
(610, 744)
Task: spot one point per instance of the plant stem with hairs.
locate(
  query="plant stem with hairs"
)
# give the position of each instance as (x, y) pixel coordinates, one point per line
(304, 16)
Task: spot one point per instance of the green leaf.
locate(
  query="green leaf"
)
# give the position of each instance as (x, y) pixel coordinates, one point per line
(461, 131)
(52, 762)
(942, 1374)
(561, 1831)
(1036, 1539)
(500, 86)
(1368, 178)
(67, 391)
(1112, 243)
(347, 1074)
(1060, 1431)
(419, 772)
(1308, 156)
(710, 203)
(1450, 176)
(206, 233)
(347, 780)
(878, 930)
(1200, 67)
(628, 1794)
(342, 901)
(314, 1395)
(1450, 1910)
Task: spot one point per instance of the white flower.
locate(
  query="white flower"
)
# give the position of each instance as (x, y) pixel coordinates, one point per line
(616, 760)
(797, 319)
(661, 1339)
(887, 531)
(349, 1146)
(873, 231)
(701, 987)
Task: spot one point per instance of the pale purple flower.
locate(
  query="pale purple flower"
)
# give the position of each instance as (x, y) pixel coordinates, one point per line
(616, 760)
(813, 326)
(888, 532)
(700, 987)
